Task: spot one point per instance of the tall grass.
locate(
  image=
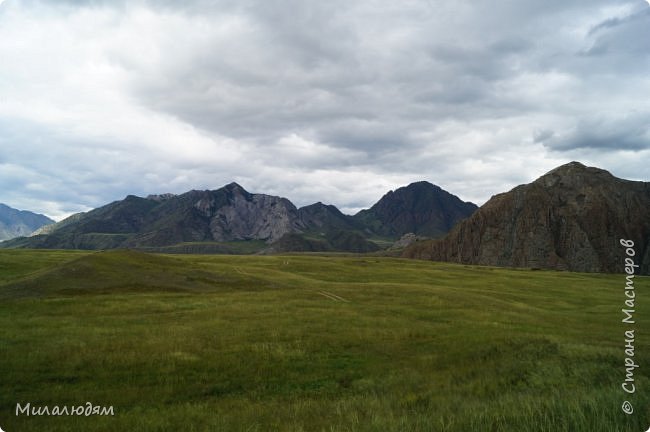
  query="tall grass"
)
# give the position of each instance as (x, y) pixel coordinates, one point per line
(232, 343)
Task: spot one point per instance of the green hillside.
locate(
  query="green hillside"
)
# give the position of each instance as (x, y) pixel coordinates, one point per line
(314, 343)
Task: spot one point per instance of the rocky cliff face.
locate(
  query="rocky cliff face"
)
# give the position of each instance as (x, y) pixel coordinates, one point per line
(420, 208)
(250, 216)
(569, 219)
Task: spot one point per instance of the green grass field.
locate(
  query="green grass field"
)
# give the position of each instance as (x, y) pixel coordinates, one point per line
(314, 343)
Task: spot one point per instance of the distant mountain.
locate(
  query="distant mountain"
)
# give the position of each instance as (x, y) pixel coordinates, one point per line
(569, 219)
(197, 220)
(420, 208)
(222, 215)
(320, 217)
(227, 214)
(16, 223)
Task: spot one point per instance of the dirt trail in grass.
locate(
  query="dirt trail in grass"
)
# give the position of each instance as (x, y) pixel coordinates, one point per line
(238, 270)
(333, 296)
(327, 294)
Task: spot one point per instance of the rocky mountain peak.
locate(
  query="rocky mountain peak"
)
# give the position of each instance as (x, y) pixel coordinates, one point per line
(421, 208)
(573, 174)
(235, 187)
(318, 216)
(160, 197)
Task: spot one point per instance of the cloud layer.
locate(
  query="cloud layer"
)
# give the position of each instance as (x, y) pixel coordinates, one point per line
(334, 101)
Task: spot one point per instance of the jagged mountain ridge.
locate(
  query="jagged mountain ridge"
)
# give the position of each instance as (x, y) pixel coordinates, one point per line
(223, 215)
(227, 214)
(571, 218)
(17, 223)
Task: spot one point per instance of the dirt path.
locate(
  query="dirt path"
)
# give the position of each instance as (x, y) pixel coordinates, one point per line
(327, 294)
(333, 296)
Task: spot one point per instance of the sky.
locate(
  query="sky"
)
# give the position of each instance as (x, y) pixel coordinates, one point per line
(333, 101)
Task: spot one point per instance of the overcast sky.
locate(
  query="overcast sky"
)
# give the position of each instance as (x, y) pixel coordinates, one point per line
(334, 101)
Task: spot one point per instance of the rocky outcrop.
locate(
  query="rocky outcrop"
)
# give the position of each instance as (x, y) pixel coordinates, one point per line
(161, 197)
(571, 218)
(406, 240)
(420, 208)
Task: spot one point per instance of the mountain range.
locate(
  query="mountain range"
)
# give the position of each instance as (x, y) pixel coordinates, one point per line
(16, 223)
(211, 220)
(571, 218)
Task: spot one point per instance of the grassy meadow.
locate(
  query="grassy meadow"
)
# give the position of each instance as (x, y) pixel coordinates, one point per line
(314, 343)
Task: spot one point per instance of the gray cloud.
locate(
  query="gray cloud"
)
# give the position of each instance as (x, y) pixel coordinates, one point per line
(614, 132)
(334, 101)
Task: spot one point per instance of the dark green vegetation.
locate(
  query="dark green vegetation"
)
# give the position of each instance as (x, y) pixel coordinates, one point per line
(227, 248)
(313, 343)
(331, 241)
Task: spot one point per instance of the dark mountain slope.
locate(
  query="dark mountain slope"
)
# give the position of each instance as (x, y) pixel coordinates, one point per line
(572, 218)
(420, 208)
(321, 217)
